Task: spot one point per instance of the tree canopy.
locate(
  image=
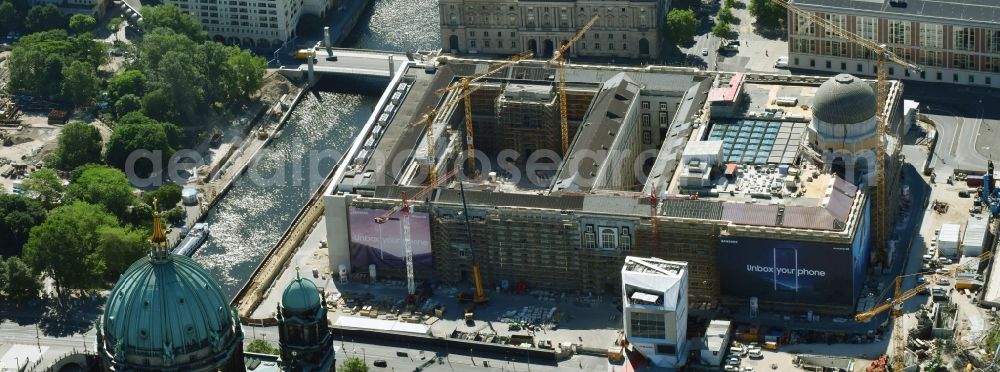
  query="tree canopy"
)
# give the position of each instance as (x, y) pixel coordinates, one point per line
(65, 246)
(10, 19)
(103, 186)
(81, 23)
(18, 281)
(767, 13)
(354, 364)
(726, 15)
(174, 18)
(36, 64)
(79, 144)
(261, 346)
(18, 215)
(135, 133)
(46, 185)
(681, 25)
(43, 18)
(129, 82)
(118, 248)
(167, 195)
(722, 30)
(80, 83)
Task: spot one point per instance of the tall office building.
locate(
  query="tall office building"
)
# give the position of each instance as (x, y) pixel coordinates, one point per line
(954, 42)
(253, 23)
(627, 29)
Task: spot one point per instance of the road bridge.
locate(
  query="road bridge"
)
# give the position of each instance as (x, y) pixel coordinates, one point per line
(358, 62)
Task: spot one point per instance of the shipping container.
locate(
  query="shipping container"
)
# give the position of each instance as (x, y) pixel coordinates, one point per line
(974, 180)
(974, 239)
(949, 239)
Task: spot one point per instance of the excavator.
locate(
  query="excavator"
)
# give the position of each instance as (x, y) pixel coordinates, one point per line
(479, 297)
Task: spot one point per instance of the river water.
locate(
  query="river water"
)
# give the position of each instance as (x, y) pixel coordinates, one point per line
(249, 220)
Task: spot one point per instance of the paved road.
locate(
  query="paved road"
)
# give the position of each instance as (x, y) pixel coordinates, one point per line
(450, 359)
(350, 61)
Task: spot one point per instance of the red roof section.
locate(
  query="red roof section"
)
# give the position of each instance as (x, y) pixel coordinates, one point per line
(727, 93)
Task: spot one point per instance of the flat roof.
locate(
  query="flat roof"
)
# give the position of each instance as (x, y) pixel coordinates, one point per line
(940, 11)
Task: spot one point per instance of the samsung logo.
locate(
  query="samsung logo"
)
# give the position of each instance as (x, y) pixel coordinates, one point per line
(729, 241)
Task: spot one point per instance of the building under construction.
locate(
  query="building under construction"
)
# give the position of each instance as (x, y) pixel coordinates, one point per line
(759, 182)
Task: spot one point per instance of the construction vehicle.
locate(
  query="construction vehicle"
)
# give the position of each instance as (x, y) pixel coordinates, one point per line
(898, 341)
(404, 209)
(559, 60)
(991, 195)
(303, 54)
(884, 55)
(940, 207)
(464, 84)
(479, 297)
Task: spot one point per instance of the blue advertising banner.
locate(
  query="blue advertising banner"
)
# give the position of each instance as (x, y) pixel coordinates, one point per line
(787, 271)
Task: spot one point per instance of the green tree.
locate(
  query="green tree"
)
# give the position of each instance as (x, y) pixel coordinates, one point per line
(79, 144)
(767, 13)
(103, 186)
(681, 25)
(46, 184)
(10, 20)
(212, 61)
(722, 30)
(118, 248)
(80, 83)
(18, 215)
(167, 195)
(730, 4)
(36, 64)
(129, 138)
(726, 15)
(183, 84)
(129, 82)
(246, 74)
(81, 23)
(64, 247)
(261, 346)
(114, 25)
(156, 104)
(172, 17)
(43, 18)
(18, 281)
(127, 104)
(353, 364)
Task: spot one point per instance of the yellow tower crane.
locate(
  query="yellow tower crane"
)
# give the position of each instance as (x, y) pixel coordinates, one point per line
(464, 84)
(885, 56)
(559, 59)
(898, 341)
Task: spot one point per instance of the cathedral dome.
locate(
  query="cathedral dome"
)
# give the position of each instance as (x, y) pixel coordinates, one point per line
(167, 313)
(844, 99)
(300, 296)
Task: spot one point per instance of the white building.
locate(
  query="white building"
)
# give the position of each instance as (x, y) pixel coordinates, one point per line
(252, 24)
(654, 292)
(949, 239)
(626, 29)
(716, 341)
(975, 236)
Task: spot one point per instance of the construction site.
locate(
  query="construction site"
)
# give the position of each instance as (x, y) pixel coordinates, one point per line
(713, 169)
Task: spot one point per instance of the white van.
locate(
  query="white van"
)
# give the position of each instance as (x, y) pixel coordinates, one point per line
(782, 62)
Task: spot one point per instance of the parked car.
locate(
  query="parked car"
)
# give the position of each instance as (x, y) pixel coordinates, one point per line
(380, 363)
(782, 62)
(756, 353)
(704, 51)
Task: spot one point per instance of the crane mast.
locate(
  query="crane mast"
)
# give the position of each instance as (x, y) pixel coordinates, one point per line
(559, 59)
(465, 83)
(882, 213)
(404, 209)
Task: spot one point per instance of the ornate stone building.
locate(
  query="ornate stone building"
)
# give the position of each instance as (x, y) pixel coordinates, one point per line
(625, 29)
(304, 333)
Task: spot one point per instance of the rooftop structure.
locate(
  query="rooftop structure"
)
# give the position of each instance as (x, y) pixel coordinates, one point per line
(654, 292)
(730, 189)
(952, 41)
(167, 313)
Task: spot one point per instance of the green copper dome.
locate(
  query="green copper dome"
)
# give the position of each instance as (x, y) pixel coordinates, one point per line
(300, 296)
(167, 313)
